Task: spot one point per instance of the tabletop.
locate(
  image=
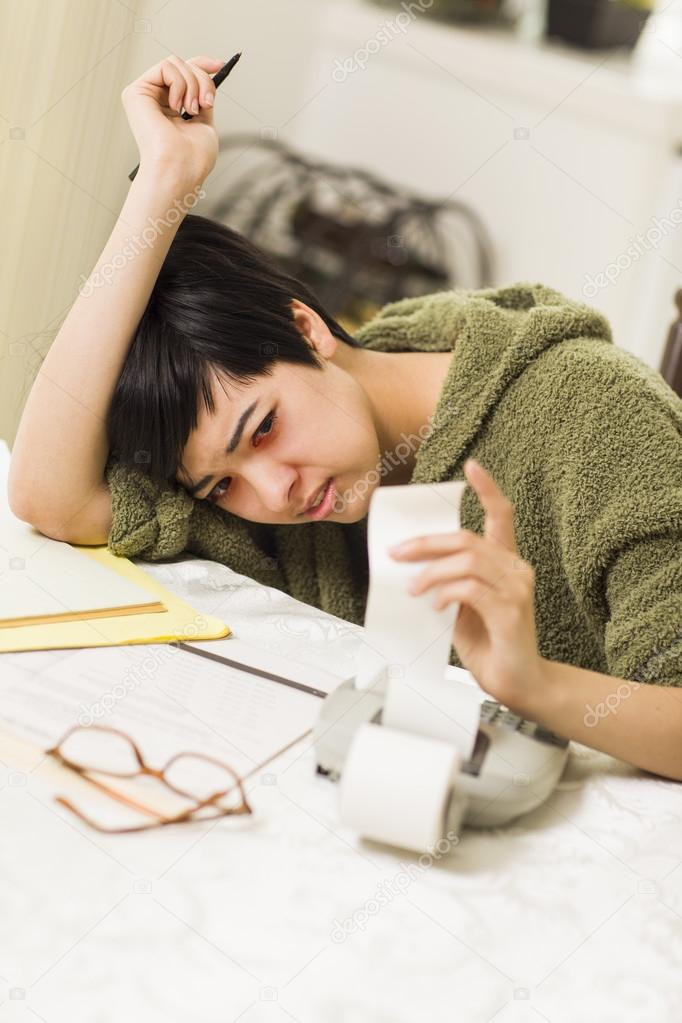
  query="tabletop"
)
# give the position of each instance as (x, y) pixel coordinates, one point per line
(571, 913)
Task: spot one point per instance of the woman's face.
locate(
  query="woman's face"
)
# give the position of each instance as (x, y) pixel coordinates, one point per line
(305, 426)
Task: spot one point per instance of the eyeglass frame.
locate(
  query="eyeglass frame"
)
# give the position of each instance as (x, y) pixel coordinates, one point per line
(153, 772)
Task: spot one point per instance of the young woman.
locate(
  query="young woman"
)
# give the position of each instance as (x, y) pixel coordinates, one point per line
(197, 398)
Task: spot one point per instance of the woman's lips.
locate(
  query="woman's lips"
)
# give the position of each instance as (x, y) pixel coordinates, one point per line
(326, 504)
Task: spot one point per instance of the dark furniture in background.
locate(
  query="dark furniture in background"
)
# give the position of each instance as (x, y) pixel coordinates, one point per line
(596, 24)
(671, 363)
(356, 240)
(587, 24)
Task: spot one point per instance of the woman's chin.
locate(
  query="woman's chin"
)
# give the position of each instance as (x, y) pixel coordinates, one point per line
(350, 511)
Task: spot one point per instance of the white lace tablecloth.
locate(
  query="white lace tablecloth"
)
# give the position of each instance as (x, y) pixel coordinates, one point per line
(574, 913)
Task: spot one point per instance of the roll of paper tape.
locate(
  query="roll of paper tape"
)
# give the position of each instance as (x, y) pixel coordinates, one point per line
(401, 629)
(399, 788)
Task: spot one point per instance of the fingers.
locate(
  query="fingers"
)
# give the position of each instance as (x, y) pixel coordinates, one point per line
(463, 565)
(190, 97)
(467, 556)
(194, 89)
(181, 83)
(499, 511)
(435, 545)
(206, 86)
(174, 80)
(472, 593)
(510, 592)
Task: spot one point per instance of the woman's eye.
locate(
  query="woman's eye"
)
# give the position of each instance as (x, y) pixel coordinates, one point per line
(217, 491)
(268, 422)
(266, 427)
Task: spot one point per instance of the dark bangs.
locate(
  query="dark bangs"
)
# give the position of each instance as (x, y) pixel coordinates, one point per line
(218, 305)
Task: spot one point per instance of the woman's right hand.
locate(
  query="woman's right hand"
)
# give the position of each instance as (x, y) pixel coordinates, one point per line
(152, 104)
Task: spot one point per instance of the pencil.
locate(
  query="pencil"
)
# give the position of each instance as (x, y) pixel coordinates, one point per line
(218, 78)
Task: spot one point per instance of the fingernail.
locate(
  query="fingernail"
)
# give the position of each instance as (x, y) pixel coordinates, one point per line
(209, 99)
(195, 106)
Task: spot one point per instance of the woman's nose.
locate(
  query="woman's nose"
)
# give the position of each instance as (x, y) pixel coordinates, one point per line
(275, 489)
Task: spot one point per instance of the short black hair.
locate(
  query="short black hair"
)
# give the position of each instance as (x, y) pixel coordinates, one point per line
(218, 304)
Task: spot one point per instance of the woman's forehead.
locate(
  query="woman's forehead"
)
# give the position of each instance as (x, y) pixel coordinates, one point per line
(206, 443)
(228, 392)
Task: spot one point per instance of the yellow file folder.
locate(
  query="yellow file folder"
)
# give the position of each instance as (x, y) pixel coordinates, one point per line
(179, 621)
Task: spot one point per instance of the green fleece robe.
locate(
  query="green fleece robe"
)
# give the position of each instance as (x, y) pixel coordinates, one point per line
(584, 439)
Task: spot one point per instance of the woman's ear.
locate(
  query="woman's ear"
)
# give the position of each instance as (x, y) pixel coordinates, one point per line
(313, 329)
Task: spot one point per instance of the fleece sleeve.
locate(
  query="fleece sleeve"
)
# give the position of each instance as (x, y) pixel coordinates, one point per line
(618, 478)
(148, 521)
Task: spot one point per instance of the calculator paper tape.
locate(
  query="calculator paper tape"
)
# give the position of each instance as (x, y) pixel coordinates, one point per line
(404, 634)
(440, 708)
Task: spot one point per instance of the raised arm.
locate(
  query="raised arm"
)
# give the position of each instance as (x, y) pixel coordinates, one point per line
(56, 478)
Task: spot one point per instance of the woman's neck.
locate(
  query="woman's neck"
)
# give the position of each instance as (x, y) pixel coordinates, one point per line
(403, 390)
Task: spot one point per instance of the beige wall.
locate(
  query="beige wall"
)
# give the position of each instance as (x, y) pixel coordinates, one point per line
(64, 145)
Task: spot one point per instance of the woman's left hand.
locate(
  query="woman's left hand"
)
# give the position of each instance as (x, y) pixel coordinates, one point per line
(494, 634)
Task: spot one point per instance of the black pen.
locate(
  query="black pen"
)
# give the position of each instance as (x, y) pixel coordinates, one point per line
(218, 78)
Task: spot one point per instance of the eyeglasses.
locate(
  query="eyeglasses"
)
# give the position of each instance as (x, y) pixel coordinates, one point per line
(212, 787)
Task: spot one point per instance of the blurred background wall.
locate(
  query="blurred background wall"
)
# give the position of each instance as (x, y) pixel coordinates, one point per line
(566, 152)
(60, 128)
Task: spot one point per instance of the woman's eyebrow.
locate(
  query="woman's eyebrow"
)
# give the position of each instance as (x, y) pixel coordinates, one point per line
(233, 444)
